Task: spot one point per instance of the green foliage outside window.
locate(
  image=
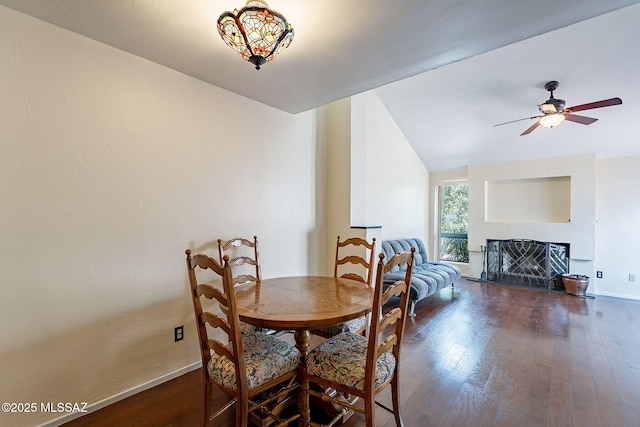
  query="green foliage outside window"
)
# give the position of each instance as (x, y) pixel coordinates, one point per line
(454, 219)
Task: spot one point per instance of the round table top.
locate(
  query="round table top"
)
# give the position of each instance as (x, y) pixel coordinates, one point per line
(302, 302)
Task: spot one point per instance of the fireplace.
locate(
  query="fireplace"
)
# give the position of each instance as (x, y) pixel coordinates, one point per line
(527, 263)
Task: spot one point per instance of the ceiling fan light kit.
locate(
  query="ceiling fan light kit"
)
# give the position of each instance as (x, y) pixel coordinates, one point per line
(554, 112)
(551, 120)
(256, 32)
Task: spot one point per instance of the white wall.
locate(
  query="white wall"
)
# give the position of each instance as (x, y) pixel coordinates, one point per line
(604, 231)
(338, 177)
(110, 167)
(618, 227)
(374, 177)
(397, 182)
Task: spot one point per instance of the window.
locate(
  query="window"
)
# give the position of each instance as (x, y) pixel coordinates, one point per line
(454, 223)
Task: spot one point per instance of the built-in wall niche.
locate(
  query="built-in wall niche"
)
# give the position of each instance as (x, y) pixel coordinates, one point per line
(529, 200)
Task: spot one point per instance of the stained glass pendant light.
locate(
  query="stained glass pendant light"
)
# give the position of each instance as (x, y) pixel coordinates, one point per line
(256, 32)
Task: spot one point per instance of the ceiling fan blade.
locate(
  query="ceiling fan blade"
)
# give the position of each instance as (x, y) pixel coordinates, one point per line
(583, 120)
(597, 104)
(519, 120)
(531, 129)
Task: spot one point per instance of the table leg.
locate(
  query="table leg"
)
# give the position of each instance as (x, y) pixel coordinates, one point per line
(302, 343)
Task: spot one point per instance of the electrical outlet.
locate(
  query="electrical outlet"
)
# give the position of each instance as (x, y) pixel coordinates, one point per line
(632, 277)
(178, 333)
(599, 274)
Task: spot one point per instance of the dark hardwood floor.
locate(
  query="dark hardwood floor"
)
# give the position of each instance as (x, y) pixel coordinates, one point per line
(481, 355)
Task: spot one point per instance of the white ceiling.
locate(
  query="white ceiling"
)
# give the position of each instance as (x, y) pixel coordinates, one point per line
(447, 70)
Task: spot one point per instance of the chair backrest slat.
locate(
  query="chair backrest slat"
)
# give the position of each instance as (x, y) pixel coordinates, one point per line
(390, 318)
(216, 321)
(219, 348)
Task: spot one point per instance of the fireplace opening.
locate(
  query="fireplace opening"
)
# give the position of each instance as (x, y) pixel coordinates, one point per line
(527, 263)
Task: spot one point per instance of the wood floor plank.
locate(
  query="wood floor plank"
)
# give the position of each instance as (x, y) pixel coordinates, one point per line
(481, 355)
(585, 407)
(539, 392)
(561, 399)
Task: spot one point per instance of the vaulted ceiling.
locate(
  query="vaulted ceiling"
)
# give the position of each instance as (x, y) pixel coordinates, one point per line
(447, 70)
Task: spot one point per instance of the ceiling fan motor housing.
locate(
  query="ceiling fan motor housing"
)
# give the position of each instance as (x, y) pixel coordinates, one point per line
(552, 105)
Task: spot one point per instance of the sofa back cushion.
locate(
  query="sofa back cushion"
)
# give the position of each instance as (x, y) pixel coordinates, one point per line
(390, 247)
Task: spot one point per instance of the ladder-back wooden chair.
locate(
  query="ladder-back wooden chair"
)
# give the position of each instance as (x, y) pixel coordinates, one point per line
(242, 252)
(359, 367)
(356, 264)
(256, 369)
(244, 261)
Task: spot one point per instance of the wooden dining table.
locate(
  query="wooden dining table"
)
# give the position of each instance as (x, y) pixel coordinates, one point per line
(302, 304)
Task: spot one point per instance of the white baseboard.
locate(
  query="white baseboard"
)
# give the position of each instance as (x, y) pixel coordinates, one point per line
(614, 295)
(127, 393)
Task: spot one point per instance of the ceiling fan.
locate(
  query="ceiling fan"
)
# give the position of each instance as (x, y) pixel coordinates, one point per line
(554, 112)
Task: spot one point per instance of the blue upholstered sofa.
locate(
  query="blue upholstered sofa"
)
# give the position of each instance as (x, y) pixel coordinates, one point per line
(428, 277)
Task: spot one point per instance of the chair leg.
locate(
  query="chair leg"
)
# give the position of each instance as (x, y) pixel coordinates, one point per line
(370, 410)
(206, 393)
(395, 396)
(412, 309)
(242, 416)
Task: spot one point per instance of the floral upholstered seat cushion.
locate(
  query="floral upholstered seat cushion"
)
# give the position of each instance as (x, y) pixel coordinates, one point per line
(342, 359)
(266, 358)
(352, 325)
(248, 327)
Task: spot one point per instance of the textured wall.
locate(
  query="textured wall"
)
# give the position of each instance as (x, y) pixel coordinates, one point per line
(618, 227)
(110, 167)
